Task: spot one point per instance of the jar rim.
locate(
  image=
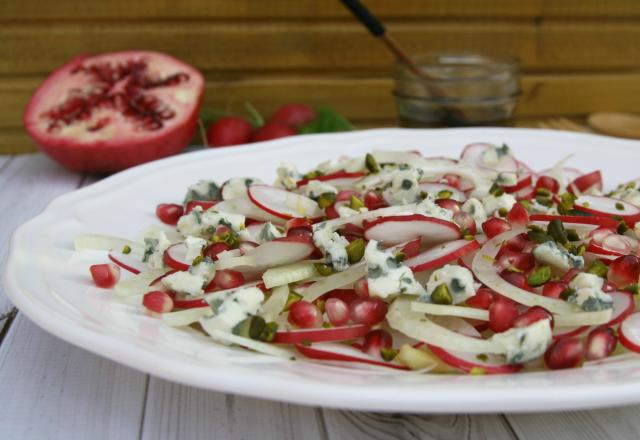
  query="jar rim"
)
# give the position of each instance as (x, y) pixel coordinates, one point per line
(441, 62)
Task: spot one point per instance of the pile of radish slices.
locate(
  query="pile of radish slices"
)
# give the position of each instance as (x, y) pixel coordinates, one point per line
(475, 265)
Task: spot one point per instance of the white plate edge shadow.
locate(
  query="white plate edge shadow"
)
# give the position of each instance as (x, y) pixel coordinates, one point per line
(330, 395)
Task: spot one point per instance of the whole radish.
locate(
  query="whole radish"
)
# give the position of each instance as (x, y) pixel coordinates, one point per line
(229, 130)
(293, 115)
(273, 130)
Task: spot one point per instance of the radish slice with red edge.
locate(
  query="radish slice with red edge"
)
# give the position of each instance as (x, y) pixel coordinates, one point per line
(327, 351)
(343, 333)
(474, 154)
(337, 179)
(282, 203)
(441, 254)
(280, 251)
(398, 229)
(526, 193)
(175, 257)
(623, 306)
(567, 332)
(569, 174)
(608, 206)
(524, 181)
(129, 262)
(577, 219)
(629, 332)
(585, 182)
(244, 206)
(489, 363)
(434, 188)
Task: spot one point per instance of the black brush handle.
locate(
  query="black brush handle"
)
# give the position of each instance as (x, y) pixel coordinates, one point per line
(365, 17)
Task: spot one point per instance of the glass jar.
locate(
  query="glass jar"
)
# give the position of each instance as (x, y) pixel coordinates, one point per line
(457, 90)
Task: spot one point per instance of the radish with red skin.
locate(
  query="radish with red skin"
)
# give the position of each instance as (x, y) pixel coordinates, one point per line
(204, 204)
(606, 222)
(189, 303)
(333, 334)
(247, 246)
(502, 314)
(373, 201)
(105, 275)
(515, 278)
(601, 342)
(411, 249)
(376, 340)
(304, 314)
(282, 203)
(228, 279)
(169, 213)
(474, 154)
(623, 305)
(272, 130)
(466, 222)
(608, 207)
(495, 226)
(396, 229)
(548, 183)
(564, 353)
(629, 332)
(337, 311)
(524, 181)
(586, 182)
(534, 314)
(369, 311)
(108, 112)
(361, 288)
(518, 215)
(614, 245)
(344, 353)
(126, 261)
(175, 257)
(553, 289)
(624, 270)
(564, 332)
(448, 204)
(441, 254)
(281, 251)
(214, 249)
(294, 115)
(228, 131)
(337, 178)
(435, 188)
(157, 302)
(526, 193)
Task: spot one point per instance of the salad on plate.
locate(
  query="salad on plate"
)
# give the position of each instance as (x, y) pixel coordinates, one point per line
(472, 265)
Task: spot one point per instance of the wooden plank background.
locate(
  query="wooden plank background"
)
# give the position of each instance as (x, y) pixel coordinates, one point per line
(578, 56)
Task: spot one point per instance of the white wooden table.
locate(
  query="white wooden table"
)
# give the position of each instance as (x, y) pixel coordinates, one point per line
(53, 390)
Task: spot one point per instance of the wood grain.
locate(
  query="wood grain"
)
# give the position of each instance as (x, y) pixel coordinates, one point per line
(54, 390)
(179, 412)
(351, 425)
(28, 184)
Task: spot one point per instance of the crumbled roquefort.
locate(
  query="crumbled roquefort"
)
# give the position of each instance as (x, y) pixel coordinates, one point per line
(429, 208)
(316, 188)
(587, 293)
(332, 246)
(458, 279)
(237, 187)
(204, 223)
(155, 243)
(525, 343)
(554, 255)
(202, 190)
(267, 233)
(194, 247)
(231, 308)
(386, 276)
(492, 203)
(288, 176)
(475, 209)
(193, 281)
(403, 187)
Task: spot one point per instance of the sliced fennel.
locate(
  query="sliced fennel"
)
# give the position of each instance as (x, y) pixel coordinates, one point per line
(583, 318)
(333, 281)
(96, 242)
(446, 310)
(231, 262)
(485, 271)
(290, 273)
(276, 302)
(186, 317)
(138, 284)
(229, 338)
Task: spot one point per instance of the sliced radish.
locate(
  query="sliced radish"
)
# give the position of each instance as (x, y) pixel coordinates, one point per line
(586, 182)
(332, 334)
(327, 351)
(524, 180)
(441, 254)
(175, 257)
(629, 332)
(279, 251)
(474, 154)
(283, 203)
(434, 188)
(623, 306)
(576, 219)
(398, 229)
(608, 206)
(244, 206)
(569, 174)
(567, 332)
(614, 244)
(129, 262)
(526, 193)
(338, 179)
(489, 363)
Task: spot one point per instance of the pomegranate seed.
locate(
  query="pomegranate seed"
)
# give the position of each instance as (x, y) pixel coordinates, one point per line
(564, 353)
(361, 288)
(157, 302)
(515, 278)
(299, 232)
(517, 243)
(518, 215)
(345, 295)
(368, 311)
(495, 226)
(376, 340)
(548, 183)
(452, 180)
(331, 212)
(202, 203)
(448, 204)
(303, 314)
(214, 249)
(298, 222)
(534, 314)
(337, 311)
(624, 270)
(482, 299)
(228, 279)
(569, 275)
(373, 201)
(105, 275)
(411, 249)
(601, 342)
(353, 230)
(608, 287)
(465, 221)
(169, 213)
(502, 313)
(553, 289)
(523, 261)
(223, 230)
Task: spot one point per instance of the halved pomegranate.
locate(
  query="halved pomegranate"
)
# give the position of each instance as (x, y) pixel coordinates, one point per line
(112, 111)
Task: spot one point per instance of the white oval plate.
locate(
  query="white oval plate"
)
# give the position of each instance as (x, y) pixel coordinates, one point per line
(51, 285)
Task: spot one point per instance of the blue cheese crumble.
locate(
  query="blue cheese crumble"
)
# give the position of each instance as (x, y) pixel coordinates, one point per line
(386, 276)
(268, 232)
(403, 187)
(458, 279)
(194, 246)
(155, 243)
(525, 343)
(193, 281)
(315, 188)
(231, 308)
(288, 176)
(332, 246)
(237, 187)
(588, 294)
(550, 253)
(475, 209)
(494, 154)
(492, 203)
(430, 209)
(202, 223)
(202, 190)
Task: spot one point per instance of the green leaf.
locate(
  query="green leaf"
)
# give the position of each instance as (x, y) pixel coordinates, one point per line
(327, 121)
(255, 118)
(211, 115)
